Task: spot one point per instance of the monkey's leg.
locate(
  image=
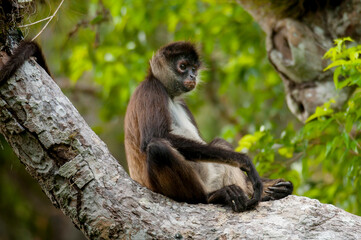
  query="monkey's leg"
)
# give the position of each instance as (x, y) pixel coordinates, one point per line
(213, 152)
(276, 189)
(233, 196)
(171, 175)
(273, 188)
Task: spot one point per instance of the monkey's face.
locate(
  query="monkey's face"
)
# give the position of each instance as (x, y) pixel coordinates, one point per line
(176, 65)
(186, 71)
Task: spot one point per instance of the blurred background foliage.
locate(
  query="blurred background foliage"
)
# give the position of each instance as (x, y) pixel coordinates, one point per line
(98, 52)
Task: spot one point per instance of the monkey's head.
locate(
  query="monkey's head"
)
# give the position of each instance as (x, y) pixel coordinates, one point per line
(176, 65)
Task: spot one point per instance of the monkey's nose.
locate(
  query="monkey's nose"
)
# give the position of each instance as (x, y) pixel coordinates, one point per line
(192, 76)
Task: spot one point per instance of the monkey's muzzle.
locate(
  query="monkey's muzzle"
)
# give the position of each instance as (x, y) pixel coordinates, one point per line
(189, 84)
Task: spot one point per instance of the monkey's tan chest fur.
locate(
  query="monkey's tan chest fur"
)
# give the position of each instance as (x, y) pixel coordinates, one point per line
(181, 124)
(213, 175)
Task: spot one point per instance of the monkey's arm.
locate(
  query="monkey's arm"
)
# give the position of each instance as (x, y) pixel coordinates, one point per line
(196, 151)
(272, 188)
(151, 104)
(23, 52)
(220, 142)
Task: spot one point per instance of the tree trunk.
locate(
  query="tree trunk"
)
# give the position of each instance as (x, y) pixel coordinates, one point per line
(298, 35)
(79, 175)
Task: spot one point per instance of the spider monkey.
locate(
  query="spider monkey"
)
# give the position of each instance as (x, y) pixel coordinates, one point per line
(165, 151)
(23, 52)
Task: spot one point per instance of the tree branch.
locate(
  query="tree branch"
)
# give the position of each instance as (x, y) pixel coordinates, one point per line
(79, 175)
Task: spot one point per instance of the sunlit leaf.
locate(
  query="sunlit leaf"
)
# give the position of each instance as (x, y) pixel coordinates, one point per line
(286, 152)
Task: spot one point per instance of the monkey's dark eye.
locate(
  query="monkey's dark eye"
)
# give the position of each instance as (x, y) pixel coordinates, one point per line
(182, 66)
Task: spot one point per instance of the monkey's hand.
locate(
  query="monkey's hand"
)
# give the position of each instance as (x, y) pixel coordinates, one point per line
(278, 190)
(247, 166)
(232, 196)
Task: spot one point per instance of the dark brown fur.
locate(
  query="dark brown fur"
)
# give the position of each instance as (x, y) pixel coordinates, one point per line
(23, 52)
(169, 157)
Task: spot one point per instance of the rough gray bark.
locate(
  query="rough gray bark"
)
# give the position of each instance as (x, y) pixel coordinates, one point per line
(296, 46)
(79, 175)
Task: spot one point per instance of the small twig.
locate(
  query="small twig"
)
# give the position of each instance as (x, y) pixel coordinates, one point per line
(30, 24)
(349, 135)
(51, 17)
(354, 153)
(295, 158)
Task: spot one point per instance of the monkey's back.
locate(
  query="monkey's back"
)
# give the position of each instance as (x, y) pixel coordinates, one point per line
(136, 159)
(144, 111)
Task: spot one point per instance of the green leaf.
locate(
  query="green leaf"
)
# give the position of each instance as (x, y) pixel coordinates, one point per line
(80, 62)
(329, 147)
(286, 151)
(356, 80)
(320, 111)
(346, 139)
(336, 74)
(248, 140)
(97, 19)
(337, 63)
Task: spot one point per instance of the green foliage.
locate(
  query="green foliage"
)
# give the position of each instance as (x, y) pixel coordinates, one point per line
(116, 45)
(329, 143)
(347, 62)
(111, 42)
(322, 111)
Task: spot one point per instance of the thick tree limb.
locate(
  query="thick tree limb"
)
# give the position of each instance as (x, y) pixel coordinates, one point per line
(79, 175)
(296, 45)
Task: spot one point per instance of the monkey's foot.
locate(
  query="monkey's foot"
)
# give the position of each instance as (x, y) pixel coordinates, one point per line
(277, 191)
(234, 197)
